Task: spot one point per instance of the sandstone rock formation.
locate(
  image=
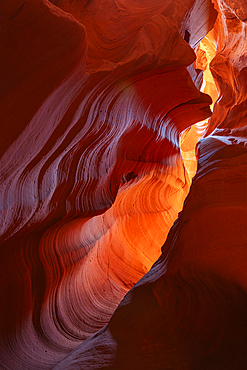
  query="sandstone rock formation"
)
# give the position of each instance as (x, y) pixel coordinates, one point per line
(101, 111)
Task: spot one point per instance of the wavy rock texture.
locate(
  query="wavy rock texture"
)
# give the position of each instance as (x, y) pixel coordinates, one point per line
(189, 310)
(97, 156)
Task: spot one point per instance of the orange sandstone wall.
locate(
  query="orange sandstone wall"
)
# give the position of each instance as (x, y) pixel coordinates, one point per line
(97, 157)
(189, 310)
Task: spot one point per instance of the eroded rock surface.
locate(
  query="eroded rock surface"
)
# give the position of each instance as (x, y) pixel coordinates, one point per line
(97, 156)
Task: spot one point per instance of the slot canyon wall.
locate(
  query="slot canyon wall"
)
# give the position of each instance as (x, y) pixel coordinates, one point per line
(123, 197)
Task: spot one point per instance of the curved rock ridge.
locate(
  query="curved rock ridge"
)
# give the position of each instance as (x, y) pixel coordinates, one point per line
(92, 176)
(189, 310)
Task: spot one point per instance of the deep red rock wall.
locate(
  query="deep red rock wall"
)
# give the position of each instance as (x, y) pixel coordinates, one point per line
(97, 157)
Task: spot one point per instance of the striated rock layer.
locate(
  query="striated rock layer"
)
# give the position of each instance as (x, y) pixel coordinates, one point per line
(92, 176)
(98, 103)
(189, 310)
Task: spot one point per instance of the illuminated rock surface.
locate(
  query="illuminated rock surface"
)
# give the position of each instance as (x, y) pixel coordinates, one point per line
(97, 157)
